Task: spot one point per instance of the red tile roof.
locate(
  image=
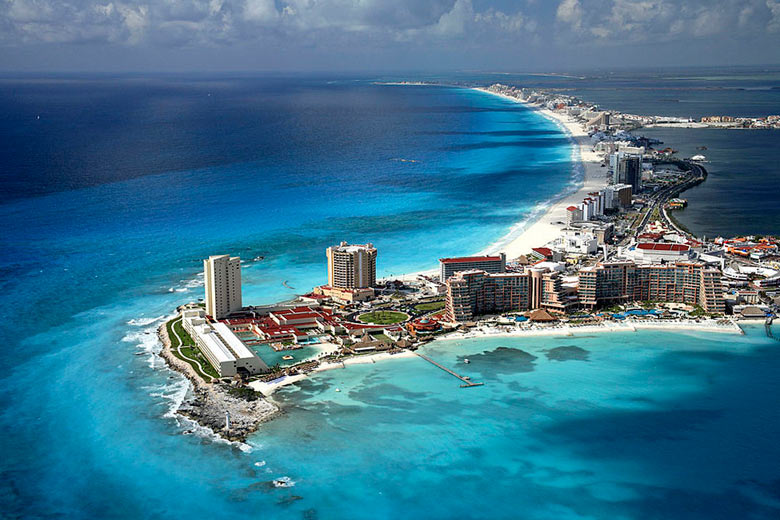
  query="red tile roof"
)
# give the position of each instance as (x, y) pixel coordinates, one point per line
(653, 246)
(546, 251)
(464, 259)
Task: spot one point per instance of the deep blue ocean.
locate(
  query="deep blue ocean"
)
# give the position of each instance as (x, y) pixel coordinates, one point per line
(115, 188)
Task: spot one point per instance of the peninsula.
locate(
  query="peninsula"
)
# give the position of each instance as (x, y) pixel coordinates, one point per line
(606, 256)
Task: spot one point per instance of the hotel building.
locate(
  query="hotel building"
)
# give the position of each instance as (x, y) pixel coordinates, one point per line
(226, 353)
(222, 276)
(489, 264)
(475, 292)
(351, 266)
(683, 282)
(627, 169)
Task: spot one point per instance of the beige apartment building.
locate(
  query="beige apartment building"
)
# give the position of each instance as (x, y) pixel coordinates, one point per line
(351, 266)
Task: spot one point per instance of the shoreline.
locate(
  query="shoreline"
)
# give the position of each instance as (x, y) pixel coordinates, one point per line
(711, 326)
(268, 389)
(540, 228)
(207, 404)
(544, 223)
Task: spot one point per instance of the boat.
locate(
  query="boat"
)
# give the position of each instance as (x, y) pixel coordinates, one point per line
(466, 361)
(287, 357)
(338, 389)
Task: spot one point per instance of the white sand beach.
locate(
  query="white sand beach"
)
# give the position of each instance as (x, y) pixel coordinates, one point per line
(570, 330)
(543, 229)
(269, 388)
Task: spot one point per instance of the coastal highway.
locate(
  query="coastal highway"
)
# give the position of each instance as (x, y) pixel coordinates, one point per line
(657, 201)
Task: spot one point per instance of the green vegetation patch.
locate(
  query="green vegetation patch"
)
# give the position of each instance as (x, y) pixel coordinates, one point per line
(383, 317)
(189, 351)
(430, 306)
(384, 338)
(244, 392)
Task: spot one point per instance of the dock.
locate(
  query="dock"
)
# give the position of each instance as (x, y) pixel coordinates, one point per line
(467, 383)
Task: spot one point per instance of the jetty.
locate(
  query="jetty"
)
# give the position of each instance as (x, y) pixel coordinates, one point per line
(467, 383)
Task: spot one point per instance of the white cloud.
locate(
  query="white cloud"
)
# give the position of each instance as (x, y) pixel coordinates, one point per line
(570, 12)
(774, 22)
(357, 23)
(607, 22)
(263, 11)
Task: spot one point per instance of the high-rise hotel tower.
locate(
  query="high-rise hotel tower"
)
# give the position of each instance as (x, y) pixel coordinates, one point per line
(351, 266)
(222, 275)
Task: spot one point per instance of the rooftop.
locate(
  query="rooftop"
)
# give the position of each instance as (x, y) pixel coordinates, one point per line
(464, 259)
(656, 246)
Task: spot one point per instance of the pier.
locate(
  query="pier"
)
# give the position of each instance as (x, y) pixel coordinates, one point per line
(467, 382)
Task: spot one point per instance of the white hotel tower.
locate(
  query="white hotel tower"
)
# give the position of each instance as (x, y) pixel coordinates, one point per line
(222, 275)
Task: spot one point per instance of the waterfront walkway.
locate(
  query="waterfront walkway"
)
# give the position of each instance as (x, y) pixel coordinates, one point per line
(201, 372)
(467, 382)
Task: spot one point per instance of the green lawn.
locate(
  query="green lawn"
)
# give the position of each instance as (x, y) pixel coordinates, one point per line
(430, 306)
(190, 351)
(383, 317)
(381, 337)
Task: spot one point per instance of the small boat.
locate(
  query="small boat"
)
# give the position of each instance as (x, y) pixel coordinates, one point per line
(287, 357)
(258, 258)
(466, 361)
(338, 389)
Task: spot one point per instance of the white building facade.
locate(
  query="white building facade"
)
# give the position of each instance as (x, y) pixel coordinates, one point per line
(226, 353)
(222, 277)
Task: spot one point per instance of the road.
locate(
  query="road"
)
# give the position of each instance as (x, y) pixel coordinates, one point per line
(661, 197)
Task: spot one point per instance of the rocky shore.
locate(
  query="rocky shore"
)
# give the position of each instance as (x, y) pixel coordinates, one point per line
(209, 403)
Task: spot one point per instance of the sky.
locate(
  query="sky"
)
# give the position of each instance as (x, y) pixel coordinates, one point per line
(392, 35)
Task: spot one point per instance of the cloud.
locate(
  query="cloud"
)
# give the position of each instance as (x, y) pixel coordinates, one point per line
(263, 11)
(570, 12)
(177, 22)
(605, 22)
(357, 24)
(774, 21)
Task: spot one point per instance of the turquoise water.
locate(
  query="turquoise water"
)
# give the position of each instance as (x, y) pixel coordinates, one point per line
(113, 200)
(624, 425)
(271, 357)
(117, 192)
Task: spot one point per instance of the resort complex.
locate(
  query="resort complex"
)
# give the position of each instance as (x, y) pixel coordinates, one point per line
(609, 257)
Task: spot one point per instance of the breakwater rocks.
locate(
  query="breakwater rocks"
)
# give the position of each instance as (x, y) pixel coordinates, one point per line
(210, 405)
(229, 417)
